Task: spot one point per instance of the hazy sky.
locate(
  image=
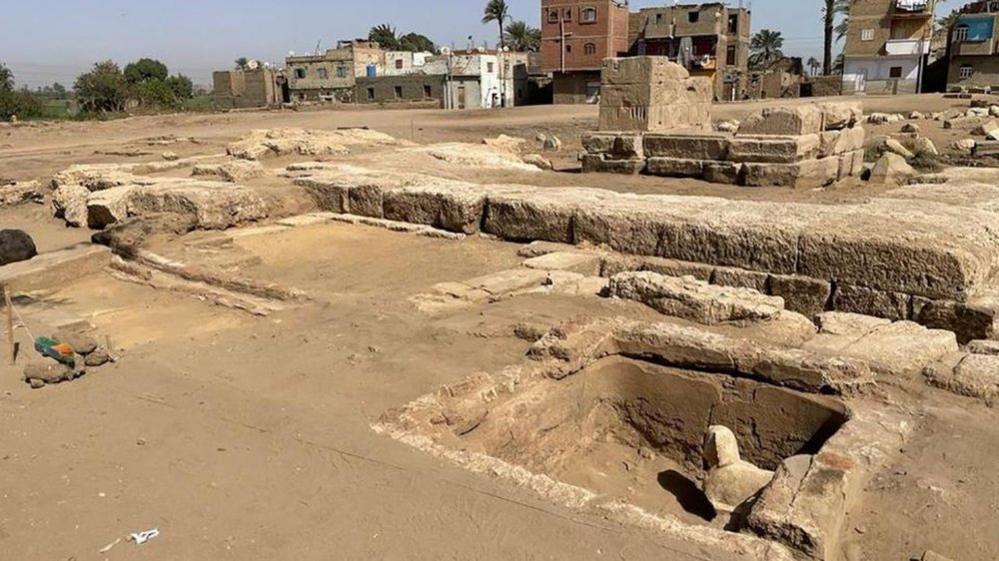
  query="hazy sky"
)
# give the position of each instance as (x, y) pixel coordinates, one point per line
(55, 40)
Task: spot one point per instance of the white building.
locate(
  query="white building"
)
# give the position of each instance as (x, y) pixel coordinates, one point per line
(401, 63)
(479, 79)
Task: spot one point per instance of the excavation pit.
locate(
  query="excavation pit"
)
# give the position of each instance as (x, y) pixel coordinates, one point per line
(629, 430)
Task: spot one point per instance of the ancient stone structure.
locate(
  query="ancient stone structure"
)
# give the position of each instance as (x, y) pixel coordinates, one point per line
(652, 94)
(804, 147)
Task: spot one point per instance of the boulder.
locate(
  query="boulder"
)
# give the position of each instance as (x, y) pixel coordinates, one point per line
(24, 192)
(99, 357)
(38, 374)
(69, 202)
(15, 246)
(552, 144)
(989, 129)
(892, 168)
(910, 128)
(923, 145)
(895, 147)
(965, 145)
(81, 343)
(170, 156)
(916, 115)
(839, 115)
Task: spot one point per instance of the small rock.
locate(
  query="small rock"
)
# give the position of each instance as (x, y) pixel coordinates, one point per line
(541, 137)
(994, 111)
(916, 116)
(40, 373)
(965, 145)
(910, 128)
(538, 161)
(552, 144)
(170, 156)
(82, 344)
(933, 556)
(892, 168)
(924, 145)
(727, 126)
(99, 357)
(896, 147)
(16, 245)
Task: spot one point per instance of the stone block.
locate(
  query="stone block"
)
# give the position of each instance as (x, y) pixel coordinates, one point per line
(594, 163)
(779, 150)
(969, 321)
(675, 167)
(809, 174)
(641, 70)
(614, 264)
(837, 115)
(686, 146)
(984, 347)
(740, 278)
(807, 296)
(328, 196)
(452, 207)
(860, 300)
(784, 121)
(582, 262)
(969, 375)
(109, 206)
(55, 269)
(535, 215)
(726, 173)
(903, 348)
(621, 146)
(69, 202)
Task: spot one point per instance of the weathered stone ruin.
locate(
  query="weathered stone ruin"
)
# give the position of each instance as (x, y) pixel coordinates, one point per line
(653, 117)
(805, 146)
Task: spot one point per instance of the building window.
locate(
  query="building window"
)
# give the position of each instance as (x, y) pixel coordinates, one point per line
(730, 56)
(553, 16)
(567, 14)
(659, 19)
(300, 73)
(427, 92)
(490, 68)
(733, 23)
(323, 73)
(341, 71)
(895, 72)
(371, 94)
(967, 71)
(961, 33)
(693, 17)
(867, 35)
(398, 64)
(568, 48)
(590, 49)
(588, 15)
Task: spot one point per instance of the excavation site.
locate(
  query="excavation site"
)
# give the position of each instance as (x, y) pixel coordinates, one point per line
(739, 332)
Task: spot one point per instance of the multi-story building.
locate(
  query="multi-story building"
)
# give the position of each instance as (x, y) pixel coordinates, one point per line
(973, 48)
(710, 40)
(887, 45)
(332, 76)
(576, 36)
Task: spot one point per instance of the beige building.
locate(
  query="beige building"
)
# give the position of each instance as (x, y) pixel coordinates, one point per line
(332, 76)
(973, 48)
(709, 40)
(887, 46)
(241, 89)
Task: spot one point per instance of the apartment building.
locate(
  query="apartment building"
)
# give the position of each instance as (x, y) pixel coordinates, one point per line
(332, 76)
(973, 50)
(576, 37)
(887, 46)
(710, 40)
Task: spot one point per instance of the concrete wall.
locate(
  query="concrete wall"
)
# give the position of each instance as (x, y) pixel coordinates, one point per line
(401, 63)
(400, 89)
(575, 87)
(238, 89)
(985, 72)
(878, 75)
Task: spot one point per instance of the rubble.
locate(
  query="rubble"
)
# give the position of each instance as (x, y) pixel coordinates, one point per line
(21, 192)
(283, 142)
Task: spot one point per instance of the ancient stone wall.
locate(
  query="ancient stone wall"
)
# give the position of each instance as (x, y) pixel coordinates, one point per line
(652, 94)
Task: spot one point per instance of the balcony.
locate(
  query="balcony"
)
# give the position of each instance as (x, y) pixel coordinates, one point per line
(907, 47)
(917, 9)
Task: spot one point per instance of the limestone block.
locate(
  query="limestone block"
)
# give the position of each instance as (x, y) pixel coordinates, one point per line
(616, 263)
(727, 173)
(329, 197)
(852, 326)
(837, 115)
(109, 206)
(861, 300)
(784, 121)
(594, 163)
(740, 278)
(451, 206)
(695, 300)
(583, 262)
(808, 296)
(808, 174)
(903, 348)
(621, 146)
(924, 145)
(641, 71)
(687, 146)
(232, 171)
(69, 202)
(535, 215)
(895, 147)
(969, 375)
(780, 150)
(892, 168)
(675, 167)
(984, 347)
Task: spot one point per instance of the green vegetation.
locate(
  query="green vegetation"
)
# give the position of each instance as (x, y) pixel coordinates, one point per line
(107, 89)
(766, 47)
(13, 102)
(521, 37)
(388, 38)
(498, 11)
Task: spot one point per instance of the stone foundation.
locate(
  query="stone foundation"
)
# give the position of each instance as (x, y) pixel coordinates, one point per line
(803, 147)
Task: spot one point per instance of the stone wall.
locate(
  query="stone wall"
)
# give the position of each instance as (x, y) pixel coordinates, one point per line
(652, 94)
(806, 146)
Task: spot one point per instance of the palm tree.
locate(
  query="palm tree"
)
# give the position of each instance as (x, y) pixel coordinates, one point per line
(522, 37)
(766, 47)
(814, 66)
(385, 35)
(498, 11)
(6, 79)
(242, 63)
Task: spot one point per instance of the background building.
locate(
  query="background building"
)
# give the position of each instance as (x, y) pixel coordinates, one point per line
(887, 45)
(332, 76)
(710, 40)
(576, 36)
(241, 89)
(973, 54)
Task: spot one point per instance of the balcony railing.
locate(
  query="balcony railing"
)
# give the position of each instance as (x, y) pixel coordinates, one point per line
(912, 6)
(899, 47)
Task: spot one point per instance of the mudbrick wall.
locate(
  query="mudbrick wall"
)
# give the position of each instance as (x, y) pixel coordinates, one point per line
(891, 257)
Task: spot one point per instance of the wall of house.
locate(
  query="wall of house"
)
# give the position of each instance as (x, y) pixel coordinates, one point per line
(573, 88)
(986, 73)
(878, 75)
(400, 89)
(238, 89)
(590, 42)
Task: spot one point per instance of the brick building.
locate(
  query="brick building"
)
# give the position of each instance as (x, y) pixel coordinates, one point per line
(576, 37)
(332, 76)
(973, 49)
(709, 40)
(887, 45)
(242, 89)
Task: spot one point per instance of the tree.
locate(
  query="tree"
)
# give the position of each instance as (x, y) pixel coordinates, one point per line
(498, 11)
(242, 63)
(766, 48)
(385, 35)
(181, 87)
(103, 89)
(832, 31)
(416, 43)
(59, 90)
(521, 37)
(6, 78)
(814, 66)
(145, 69)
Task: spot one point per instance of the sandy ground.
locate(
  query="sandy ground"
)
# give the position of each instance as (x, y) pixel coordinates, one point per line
(243, 437)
